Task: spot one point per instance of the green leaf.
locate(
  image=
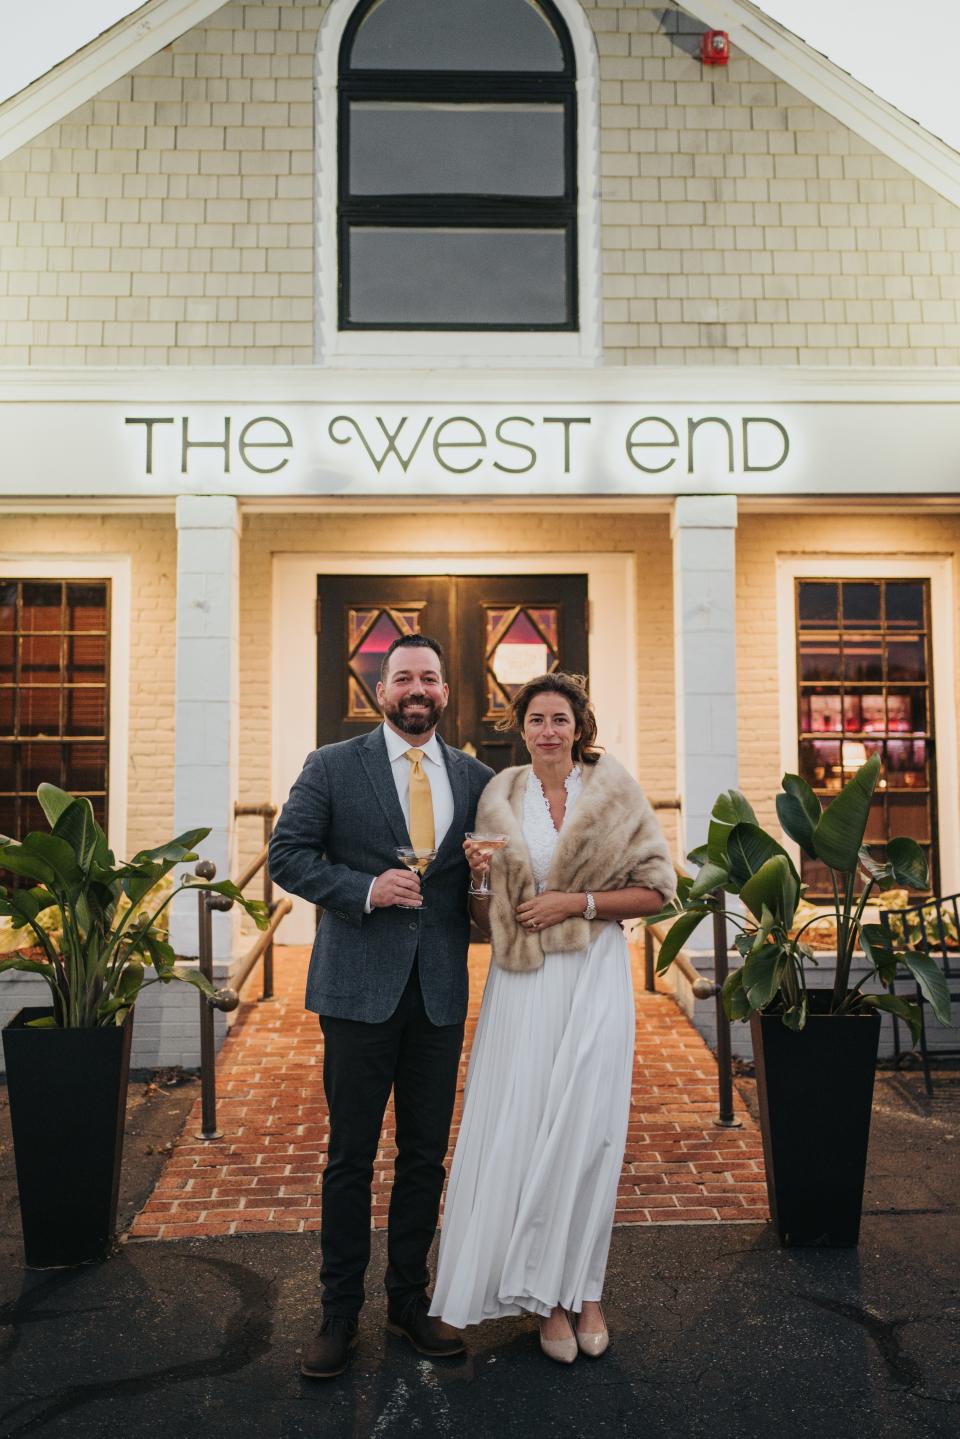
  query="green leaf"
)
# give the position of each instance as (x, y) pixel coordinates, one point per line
(699, 855)
(175, 850)
(736, 1005)
(840, 829)
(20, 861)
(255, 908)
(684, 883)
(136, 886)
(47, 1022)
(761, 975)
(748, 849)
(78, 828)
(933, 985)
(894, 1004)
(23, 905)
(908, 863)
(772, 888)
(881, 874)
(57, 853)
(878, 947)
(30, 966)
(799, 811)
(730, 809)
(128, 985)
(795, 1017)
(711, 877)
(53, 802)
(678, 933)
(194, 977)
(767, 921)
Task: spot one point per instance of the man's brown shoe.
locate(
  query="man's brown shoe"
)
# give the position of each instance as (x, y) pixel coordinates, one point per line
(328, 1352)
(428, 1336)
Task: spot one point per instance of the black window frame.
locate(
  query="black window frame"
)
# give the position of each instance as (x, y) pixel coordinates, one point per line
(62, 742)
(885, 634)
(457, 211)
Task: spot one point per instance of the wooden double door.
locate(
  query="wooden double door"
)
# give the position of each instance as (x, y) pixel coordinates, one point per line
(496, 631)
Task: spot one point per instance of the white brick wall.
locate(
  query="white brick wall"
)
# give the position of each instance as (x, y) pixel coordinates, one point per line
(170, 220)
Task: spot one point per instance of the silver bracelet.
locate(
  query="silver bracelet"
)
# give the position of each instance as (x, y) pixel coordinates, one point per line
(590, 908)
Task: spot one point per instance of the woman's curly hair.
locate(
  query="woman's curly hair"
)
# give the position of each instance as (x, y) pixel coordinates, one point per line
(573, 688)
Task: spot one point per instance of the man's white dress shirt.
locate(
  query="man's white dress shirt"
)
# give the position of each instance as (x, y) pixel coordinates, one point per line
(436, 771)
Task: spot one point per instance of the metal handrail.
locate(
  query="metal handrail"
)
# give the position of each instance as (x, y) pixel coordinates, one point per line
(229, 998)
(260, 944)
(703, 988)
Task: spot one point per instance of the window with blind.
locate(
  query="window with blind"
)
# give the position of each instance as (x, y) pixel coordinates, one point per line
(865, 687)
(54, 695)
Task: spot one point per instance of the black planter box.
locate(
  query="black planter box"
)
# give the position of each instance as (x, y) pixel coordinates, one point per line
(67, 1090)
(815, 1090)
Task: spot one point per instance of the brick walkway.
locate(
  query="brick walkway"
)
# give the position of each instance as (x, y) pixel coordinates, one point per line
(264, 1175)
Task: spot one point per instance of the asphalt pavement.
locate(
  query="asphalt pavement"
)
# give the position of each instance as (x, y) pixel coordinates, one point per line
(716, 1330)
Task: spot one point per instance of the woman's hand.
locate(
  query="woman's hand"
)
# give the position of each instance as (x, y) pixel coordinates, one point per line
(548, 909)
(479, 863)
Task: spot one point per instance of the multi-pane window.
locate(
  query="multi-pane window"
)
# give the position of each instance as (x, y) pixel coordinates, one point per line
(864, 672)
(54, 695)
(457, 172)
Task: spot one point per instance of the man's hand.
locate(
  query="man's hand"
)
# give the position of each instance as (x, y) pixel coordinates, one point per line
(396, 886)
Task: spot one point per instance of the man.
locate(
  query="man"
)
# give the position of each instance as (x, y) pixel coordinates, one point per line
(388, 978)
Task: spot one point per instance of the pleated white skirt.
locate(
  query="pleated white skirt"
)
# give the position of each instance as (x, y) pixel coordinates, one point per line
(533, 1183)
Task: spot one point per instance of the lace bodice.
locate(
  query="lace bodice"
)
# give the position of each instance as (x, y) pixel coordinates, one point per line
(538, 830)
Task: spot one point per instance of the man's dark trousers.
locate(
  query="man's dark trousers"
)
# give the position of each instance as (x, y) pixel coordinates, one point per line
(391, 987)
(361, 1062)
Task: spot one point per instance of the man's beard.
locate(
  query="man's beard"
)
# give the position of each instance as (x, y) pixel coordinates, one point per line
(414, 724)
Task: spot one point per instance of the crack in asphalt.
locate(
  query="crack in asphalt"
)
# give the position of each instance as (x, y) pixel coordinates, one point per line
(247, 1335)
(885, 1334)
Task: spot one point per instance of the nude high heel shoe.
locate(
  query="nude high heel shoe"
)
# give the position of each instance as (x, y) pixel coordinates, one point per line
(594, 1344)
(564, 1351)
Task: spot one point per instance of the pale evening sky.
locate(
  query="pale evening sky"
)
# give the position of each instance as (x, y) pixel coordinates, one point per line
(907, 53)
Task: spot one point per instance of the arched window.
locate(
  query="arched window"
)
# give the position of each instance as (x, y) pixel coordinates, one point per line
(457, 167)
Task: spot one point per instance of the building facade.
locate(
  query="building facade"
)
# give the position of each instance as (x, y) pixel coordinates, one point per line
(511, 322)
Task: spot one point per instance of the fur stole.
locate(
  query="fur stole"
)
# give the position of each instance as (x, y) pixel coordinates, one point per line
(611, 841)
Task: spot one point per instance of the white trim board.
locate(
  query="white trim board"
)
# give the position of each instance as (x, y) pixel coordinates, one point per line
(611, 590)
(90, 70)
(116, 569)
(939, 570)
(638, 385)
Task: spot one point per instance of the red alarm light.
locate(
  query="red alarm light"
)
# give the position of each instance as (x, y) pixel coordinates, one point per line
(715, 47)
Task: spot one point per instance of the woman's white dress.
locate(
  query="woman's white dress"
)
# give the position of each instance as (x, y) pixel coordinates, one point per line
(533, 1183)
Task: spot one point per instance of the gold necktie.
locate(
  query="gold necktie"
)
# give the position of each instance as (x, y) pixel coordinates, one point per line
(421, 803)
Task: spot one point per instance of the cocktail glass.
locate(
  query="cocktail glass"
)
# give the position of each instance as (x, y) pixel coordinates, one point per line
(487, 843)
(417, 861)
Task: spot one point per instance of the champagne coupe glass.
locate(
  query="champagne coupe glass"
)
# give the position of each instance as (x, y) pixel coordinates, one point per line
(417, 861)
(487, 844)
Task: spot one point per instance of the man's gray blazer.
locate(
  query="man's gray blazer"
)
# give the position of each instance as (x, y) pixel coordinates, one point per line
(338, 830)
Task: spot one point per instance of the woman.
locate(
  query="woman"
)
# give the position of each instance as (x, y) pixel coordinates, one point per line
(533, 1184)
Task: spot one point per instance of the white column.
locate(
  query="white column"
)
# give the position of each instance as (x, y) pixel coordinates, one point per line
(704, 576)
(208, 694)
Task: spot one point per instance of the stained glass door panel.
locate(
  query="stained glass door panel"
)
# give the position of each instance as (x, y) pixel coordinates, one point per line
(358, 618)
(511, 629)
(497, 632)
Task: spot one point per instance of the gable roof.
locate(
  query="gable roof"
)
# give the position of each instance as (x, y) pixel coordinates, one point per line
(861, 109)
(157, 23)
